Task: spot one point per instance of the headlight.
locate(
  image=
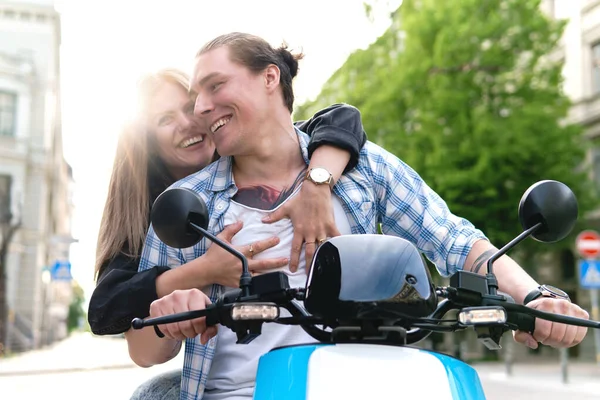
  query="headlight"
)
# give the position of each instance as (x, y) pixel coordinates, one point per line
(482, 316)
(255, 311)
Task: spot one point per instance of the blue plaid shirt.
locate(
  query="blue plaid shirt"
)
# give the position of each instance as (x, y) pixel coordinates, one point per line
(381, 189)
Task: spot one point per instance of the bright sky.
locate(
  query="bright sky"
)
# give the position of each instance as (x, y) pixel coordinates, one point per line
(107, 45)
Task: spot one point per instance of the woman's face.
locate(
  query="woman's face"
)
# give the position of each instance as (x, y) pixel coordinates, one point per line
(181, 140)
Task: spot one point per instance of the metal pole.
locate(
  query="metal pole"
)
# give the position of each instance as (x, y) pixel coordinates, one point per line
(509, 356)
(595, 314)
(564, 364)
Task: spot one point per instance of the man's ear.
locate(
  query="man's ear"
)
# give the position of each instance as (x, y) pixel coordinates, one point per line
(272, 75)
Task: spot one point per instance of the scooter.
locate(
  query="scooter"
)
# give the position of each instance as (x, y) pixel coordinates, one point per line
(367, 299)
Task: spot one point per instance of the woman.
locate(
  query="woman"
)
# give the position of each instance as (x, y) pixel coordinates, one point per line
(164, 144)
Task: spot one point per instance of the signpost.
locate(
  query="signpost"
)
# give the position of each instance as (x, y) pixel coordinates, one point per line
(61, 271)
(588, 246)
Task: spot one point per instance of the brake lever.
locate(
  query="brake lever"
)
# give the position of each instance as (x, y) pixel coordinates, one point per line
(210, 312)
(521, 321)
(562, 319)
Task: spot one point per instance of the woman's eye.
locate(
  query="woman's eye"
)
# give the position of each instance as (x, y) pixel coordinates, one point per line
(164, 120)
(216, 86)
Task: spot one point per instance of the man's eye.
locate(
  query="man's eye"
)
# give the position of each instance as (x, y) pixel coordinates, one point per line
(216, 86)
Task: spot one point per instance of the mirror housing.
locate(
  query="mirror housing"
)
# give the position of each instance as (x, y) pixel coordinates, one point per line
(369, 276)
(171, 214)
(552, 204)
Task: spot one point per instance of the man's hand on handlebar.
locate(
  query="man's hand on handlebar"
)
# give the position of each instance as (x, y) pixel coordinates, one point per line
(554, 334)
(182, 301)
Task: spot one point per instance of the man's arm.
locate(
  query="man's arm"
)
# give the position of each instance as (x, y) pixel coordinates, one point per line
(145, 347)
(512, 279)
(409, 208)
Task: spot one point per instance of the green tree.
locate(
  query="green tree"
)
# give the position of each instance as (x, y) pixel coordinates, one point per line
(76, 311)
(472, 99)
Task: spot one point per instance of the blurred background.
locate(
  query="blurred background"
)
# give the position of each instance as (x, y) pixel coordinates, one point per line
(482, 97)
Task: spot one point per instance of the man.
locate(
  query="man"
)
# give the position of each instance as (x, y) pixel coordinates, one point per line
(244, 94)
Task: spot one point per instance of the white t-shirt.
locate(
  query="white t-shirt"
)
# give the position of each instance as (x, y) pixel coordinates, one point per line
(233, 371)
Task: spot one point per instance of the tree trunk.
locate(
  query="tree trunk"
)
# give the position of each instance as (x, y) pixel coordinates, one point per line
(7, 235)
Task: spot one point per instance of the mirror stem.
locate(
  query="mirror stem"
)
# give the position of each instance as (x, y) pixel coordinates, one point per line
(491, 278)
(246, 278)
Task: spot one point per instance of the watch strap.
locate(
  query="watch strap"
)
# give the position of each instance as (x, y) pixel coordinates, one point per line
(534, 294)
(544, 291)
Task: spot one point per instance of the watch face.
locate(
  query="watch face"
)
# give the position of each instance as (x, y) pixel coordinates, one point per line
(556, 291)
(319, 175)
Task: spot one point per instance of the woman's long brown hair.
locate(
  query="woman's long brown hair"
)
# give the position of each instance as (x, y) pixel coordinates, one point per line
(135, 169)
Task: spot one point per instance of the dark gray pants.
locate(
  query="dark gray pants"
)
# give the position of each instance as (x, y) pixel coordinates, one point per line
(165, 386)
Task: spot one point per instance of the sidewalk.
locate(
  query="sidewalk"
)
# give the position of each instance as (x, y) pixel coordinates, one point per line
(81, 366)
(79, 352)
(83, 352)
(583, 378)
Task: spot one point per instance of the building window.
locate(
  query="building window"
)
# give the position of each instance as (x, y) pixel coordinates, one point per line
(596, 68)
(551, 8)
(5, 184)
(8, 108)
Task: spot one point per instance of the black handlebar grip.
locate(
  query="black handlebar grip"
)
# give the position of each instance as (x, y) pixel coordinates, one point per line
(212, 319)
(137, 323)
(523, 322)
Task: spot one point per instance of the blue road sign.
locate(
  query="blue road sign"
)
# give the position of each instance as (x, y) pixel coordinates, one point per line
(589, 274)
(61, 271)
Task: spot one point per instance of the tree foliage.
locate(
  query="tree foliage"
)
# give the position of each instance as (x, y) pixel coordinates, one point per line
(469, 93)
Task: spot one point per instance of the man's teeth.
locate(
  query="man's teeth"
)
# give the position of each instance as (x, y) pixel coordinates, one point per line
(219, 124)
(191, 141)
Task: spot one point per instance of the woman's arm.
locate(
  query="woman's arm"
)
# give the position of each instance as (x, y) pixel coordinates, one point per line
(339, 126)
(337, 136)
(123, 293)
(215, 266)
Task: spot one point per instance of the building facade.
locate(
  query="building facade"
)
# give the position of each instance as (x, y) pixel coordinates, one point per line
(36, 180)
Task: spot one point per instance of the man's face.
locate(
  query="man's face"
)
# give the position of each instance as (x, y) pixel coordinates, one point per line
(230, 100)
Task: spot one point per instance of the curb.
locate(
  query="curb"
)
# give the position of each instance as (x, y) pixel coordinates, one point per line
(66, 370)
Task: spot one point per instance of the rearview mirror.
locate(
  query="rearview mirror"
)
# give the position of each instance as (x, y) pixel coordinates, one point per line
(552, 204)
(360, 275)
(171, 214)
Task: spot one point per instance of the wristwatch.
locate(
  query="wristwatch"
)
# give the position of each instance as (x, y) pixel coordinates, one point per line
(319, 176)
(546, 291)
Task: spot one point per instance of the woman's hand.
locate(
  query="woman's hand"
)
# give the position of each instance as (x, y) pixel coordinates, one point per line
(225, 269)
(311, 212)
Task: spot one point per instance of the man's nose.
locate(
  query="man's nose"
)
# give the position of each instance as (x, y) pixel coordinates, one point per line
(203, 106)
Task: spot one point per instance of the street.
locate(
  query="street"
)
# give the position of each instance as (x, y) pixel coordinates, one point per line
(80, 367)
(533, 386)
(92, 368)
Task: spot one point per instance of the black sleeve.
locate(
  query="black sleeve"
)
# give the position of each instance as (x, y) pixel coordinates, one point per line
(122, 294)
(338, 125)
